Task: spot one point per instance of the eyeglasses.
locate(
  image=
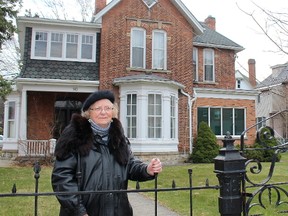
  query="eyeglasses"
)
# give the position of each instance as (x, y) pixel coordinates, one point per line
(100, 109)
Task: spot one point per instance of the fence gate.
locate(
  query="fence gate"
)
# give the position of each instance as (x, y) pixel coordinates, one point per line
(268, 195)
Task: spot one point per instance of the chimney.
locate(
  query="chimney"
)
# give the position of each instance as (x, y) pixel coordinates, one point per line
(99, 5)
(252, 72)
(211, 22)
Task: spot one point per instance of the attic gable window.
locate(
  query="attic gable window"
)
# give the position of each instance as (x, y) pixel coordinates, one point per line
(63, 46)
(150, 3)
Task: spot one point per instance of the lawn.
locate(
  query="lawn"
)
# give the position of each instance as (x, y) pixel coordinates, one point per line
(205, 202)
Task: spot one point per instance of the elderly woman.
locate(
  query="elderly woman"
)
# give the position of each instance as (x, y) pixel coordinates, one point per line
(93, 154)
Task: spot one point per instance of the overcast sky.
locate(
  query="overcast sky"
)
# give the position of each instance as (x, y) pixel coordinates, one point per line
(232, 23)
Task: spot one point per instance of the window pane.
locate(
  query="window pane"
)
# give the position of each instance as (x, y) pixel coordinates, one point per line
(137, 48)
(172, 117)
(87, 47)
(202, 115)
(158, 50)
(131, 115)
(209, 65)
(11, 120)
(215, 120)
(239, 121)
(208, 73)
(56, 45)
(195, 63)
(227, 119)
(11, 112)
(72, 46)
(154, 115)
(40, 44)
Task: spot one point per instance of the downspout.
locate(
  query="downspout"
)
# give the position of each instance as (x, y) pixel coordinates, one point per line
(190, 103)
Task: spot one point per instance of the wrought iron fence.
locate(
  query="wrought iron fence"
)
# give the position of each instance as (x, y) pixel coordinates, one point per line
(238, 193)
(155, 190)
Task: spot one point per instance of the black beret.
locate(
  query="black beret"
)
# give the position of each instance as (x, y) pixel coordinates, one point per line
(97, 95)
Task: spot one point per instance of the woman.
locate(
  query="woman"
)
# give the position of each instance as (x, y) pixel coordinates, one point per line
(93, 154)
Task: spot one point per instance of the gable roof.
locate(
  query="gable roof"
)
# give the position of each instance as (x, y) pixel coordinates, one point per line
(211, 38)
(198, 29)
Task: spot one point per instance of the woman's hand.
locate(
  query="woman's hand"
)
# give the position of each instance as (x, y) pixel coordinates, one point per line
(154, 166)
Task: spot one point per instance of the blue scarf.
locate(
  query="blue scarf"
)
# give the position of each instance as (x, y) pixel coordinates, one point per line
(97, 130)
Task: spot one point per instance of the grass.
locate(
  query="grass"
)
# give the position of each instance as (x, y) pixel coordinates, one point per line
(205, 202)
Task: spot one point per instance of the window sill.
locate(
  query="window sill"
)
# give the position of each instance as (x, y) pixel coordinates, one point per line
(205, 83)
(147, 71)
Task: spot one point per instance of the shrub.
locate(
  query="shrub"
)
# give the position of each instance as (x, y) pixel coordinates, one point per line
(261, 149)
(206, 147)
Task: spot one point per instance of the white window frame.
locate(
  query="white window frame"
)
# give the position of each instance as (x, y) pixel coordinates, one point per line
(195, 64)
(64, 45)
(157, 124)
(208, 61)
(173, 116)
(143, 46)
(221, 118)
(130, 116)
(156, 63)
(11, 120)
(142, 143)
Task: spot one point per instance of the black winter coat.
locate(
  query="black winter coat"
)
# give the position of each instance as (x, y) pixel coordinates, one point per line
(103, 167)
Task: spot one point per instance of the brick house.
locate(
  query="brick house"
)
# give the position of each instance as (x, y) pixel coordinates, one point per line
(168, 71)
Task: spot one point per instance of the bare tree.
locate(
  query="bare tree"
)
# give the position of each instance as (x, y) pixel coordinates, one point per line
(86, 9)
(57, 8)
(274, 26)
(64, 10)
(10, 59)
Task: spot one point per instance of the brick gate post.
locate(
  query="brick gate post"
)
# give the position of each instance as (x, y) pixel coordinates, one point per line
(229, 167)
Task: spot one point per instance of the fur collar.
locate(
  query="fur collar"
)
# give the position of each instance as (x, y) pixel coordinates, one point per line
(78, 137)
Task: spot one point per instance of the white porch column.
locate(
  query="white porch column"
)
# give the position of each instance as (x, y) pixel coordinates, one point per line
(23, 116)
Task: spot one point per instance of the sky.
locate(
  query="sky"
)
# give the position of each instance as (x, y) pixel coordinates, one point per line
(233, 22)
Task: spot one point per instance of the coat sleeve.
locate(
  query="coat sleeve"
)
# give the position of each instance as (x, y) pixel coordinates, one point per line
(138, 170)
(64, 180)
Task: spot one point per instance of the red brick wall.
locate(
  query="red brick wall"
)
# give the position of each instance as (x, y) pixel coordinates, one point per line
(224, 70)
(249, 105)
(115, 47)
(40, 112)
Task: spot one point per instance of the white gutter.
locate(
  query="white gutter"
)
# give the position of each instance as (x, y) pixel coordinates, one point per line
(190, 103)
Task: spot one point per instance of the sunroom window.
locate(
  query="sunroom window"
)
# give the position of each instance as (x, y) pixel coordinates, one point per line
(66, 46)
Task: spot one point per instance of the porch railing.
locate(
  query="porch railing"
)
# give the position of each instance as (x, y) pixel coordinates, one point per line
(39, 147)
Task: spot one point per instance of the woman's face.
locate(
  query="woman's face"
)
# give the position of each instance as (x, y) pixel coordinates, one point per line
(101, 112)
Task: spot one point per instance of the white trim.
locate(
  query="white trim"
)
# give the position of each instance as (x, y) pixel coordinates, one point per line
(64, 32)
(144, 46)
(177, 3)
(165, 49)
(142, 143)
(226, 93)
(52, 84)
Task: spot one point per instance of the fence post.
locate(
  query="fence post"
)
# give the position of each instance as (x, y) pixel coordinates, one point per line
(229, 167)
